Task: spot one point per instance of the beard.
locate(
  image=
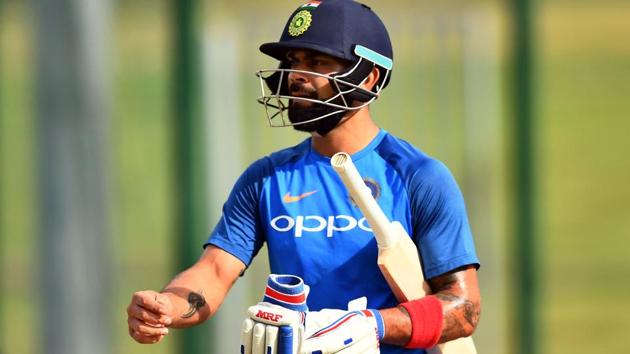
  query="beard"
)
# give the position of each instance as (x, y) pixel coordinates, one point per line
(303, 111)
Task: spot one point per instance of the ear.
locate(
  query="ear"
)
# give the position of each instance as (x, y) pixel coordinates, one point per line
(371, 79)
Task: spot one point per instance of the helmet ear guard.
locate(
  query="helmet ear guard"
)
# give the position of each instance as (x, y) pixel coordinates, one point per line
(368, 60)
(356, 75)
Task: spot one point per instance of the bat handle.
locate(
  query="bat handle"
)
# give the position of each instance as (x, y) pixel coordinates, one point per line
(362, 196)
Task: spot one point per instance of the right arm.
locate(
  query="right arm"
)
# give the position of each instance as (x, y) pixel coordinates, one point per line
(195, 295)
(190, 298)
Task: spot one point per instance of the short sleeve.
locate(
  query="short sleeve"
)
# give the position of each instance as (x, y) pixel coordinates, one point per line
(440, 223)
(239, 231)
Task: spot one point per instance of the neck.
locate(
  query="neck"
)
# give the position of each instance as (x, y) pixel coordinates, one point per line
(354, 133)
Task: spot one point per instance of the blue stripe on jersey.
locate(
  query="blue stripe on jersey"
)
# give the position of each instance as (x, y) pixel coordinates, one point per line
(295, 202)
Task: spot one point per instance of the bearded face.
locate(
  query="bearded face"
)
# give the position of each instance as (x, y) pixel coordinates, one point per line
(312, 91)
(301, 111)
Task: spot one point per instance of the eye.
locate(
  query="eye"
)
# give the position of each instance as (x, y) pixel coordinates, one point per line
(319, 62)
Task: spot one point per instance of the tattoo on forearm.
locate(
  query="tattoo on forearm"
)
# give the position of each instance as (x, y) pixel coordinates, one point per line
(195, 302)
(460, 313)
(470, 313)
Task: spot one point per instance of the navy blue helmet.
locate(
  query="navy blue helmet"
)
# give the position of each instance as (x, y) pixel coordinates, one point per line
(343, 29)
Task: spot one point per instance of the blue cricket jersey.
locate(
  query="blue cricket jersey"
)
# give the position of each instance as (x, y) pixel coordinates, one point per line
(295, 202)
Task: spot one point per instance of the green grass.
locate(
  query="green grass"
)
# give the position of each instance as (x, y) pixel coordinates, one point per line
(17, 179)
(584, 110)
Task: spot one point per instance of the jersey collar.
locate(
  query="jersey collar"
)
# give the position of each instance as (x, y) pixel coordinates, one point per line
(356, 156)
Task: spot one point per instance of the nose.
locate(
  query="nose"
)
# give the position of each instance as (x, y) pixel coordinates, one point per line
(297, 76)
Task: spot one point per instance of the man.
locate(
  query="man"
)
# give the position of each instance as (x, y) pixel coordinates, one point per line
(335, 58)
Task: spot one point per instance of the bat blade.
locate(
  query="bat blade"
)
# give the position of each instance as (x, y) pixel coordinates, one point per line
(401, 268)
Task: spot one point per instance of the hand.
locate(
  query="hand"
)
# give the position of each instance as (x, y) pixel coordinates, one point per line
(270, 329)
(273, 329)
(283, 292)
(148, 316)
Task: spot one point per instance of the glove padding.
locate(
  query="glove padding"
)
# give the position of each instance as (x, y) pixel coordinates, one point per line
(271, 329)
(276, 336)
(338, 331)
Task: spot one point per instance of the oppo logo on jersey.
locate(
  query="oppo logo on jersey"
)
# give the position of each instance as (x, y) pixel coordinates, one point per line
(315, 223)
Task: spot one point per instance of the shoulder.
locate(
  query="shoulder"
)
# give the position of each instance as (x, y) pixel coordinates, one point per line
(265, 166)
(412, 164)
(290, 154)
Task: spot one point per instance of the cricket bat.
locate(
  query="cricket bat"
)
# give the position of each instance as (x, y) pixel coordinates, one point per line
(398, 257)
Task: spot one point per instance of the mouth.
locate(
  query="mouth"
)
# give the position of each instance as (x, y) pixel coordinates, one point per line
(301, 91)
(301, 103)
(302, 94)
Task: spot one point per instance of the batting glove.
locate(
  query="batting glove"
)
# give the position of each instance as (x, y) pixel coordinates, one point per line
(272, 323)
(272, 329)
(338, 331)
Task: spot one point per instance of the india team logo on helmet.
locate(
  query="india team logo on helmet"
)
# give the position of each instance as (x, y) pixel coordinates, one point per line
(300, 23)
(302, 20)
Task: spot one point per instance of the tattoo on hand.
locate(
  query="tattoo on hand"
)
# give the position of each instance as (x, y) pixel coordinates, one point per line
(195, 302)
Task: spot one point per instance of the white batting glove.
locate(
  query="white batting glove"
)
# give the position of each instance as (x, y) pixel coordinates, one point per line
(272, 329)
(272, 323)
(338, 331)
(322, 332)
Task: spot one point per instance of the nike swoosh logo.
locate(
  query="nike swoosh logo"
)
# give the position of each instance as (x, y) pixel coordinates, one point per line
(288, 198)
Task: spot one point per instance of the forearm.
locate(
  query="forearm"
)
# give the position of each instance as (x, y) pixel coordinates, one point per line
(461, 303)
(460, 316)
(397, 326)
(459, 320)
(192, 300)
(458, 295)
(197, 293)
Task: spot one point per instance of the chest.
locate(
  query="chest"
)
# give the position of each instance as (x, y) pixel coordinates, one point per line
(308, 205)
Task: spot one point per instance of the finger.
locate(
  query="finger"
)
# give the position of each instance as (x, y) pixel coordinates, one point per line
(271, 339)
(145, 329)
(145, 316)
(165, 303)
(246, 336)
(140, 338)
(258, 339)
(166, 320)
(148, 300)
(143, 339)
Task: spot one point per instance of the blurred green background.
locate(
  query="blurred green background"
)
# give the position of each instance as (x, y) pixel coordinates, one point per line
(450, 95)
